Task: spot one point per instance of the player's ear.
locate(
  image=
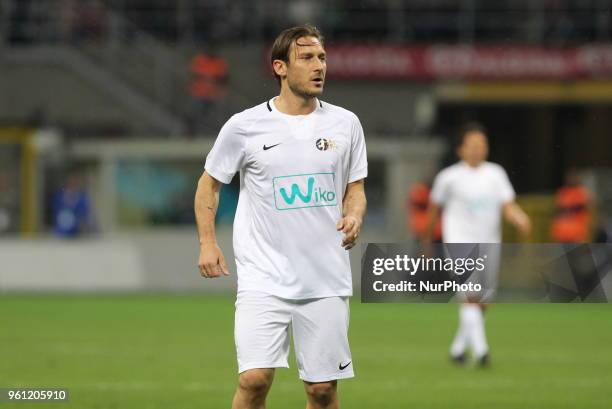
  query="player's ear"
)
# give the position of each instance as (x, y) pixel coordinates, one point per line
(280, 67)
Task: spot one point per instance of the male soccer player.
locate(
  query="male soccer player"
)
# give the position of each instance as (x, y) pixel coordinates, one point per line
(302, 166)
(473, 195)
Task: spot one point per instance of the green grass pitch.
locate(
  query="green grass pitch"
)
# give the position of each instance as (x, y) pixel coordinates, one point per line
(177, 352)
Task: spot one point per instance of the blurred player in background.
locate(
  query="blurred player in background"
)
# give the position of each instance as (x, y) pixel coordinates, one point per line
(417, 216)
(473, 195)
(9, 200)
(71, 207)
(573, 211)
(302, 166)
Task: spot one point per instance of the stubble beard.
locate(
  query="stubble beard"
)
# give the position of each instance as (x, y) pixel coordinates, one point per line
(303, 92)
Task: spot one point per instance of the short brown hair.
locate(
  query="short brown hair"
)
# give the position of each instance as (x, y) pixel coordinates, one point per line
(282, 44)
(469, 128)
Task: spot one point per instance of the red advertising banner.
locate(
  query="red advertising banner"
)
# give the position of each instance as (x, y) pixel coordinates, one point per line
(463, 62)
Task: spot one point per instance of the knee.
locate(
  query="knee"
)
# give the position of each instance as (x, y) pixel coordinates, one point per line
(255, 382)
(323, 394)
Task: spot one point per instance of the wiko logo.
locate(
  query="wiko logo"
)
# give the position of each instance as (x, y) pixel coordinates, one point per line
(300, 191)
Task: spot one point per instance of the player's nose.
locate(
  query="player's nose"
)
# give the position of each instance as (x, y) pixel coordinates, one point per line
(318, 65)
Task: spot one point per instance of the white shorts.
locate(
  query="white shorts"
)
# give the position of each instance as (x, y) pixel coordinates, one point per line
(320, 335)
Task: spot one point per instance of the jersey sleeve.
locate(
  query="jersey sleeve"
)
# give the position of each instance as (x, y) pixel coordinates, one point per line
(439, 190)
(358, 166)
(227, 155)
(506, 191)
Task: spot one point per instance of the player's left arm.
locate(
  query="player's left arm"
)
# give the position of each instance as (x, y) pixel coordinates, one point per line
(517, 217)
(354, 206)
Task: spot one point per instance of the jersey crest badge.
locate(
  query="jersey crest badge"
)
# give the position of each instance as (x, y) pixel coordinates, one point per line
(323, 144)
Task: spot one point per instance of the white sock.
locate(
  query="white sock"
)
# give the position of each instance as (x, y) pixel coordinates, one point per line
(460, 343)
(475, 323)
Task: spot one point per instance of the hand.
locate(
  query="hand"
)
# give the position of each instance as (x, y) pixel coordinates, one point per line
(211, 262)
(515, 215)
(351, 227)
(521, 221)
(523, 225)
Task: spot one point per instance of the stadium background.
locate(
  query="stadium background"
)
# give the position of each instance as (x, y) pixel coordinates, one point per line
(123, 98)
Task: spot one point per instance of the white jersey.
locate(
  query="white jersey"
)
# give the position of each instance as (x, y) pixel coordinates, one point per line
(472, 200)
(294, 170)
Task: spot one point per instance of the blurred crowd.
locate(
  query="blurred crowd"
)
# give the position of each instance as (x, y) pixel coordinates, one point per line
(556, 22)
(30, 21)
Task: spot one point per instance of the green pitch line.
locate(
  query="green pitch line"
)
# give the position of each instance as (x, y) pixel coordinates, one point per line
(160, 352)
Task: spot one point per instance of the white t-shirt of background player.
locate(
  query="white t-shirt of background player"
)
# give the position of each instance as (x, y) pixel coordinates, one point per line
(294, 170)
(472, 199)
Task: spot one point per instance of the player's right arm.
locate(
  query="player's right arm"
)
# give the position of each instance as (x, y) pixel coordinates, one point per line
(211, 261)
(517, 217)
(222, 162)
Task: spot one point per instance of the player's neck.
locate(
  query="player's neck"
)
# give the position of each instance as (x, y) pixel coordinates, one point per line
(473, 165)
(289, 103)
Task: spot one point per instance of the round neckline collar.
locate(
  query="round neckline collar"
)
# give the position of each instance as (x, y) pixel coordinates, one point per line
(468, 166)
(273, 108)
